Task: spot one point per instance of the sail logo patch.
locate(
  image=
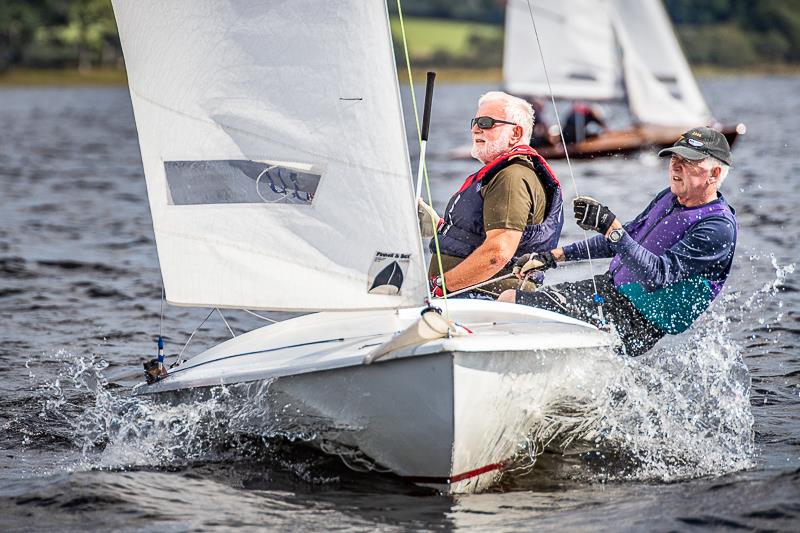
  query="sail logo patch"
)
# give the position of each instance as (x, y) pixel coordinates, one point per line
(387, 273)
(694, 142)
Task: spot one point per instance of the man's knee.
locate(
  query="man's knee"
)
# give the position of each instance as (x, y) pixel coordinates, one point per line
(509, 295)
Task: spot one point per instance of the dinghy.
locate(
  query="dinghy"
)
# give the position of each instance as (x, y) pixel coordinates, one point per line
(278, 177)
(605, 50)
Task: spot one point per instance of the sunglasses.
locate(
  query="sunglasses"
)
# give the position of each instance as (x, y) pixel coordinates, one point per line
(486, 123)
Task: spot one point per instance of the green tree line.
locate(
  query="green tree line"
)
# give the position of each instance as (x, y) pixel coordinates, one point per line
(732, 33)
(58, 34)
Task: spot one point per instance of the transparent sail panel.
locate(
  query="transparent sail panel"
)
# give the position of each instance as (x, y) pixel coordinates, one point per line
(238, 182)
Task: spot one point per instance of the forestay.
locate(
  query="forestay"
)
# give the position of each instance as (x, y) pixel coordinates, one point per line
(274, 151)
(578, 43)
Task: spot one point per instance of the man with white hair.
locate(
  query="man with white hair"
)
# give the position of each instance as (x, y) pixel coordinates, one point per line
(668, 264)
(510, 207)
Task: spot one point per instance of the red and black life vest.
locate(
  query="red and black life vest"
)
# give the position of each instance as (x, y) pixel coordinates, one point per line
(462, 231)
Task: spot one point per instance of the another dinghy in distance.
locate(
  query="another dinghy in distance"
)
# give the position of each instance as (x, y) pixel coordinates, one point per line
(278, 176)
(604, 50)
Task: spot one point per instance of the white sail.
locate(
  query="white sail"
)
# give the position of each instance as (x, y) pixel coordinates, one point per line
(578, 44)
(274, 151)
(602, 49)
(661, 88)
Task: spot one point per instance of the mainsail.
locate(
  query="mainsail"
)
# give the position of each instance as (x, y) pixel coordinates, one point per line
(274, 151)
(603, 49)
(660, 85)
(578, 43)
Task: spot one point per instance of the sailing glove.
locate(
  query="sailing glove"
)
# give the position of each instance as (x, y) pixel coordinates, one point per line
(428, 219)
(591, 214)
(436, 285)
(535, 262)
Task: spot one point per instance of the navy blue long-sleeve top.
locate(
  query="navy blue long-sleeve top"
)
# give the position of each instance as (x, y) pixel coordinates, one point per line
(705, 249)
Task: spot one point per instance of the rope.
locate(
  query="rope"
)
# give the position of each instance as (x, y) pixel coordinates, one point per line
(192, 335)
(226, 323)
(598, 300)
(481, 284)
(259, 316)
(424, 168)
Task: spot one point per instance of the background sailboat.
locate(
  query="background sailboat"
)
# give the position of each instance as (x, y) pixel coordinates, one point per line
(278, 177)
(599, 50)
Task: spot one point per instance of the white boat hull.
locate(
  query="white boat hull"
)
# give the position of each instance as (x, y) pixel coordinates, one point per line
(449, 413)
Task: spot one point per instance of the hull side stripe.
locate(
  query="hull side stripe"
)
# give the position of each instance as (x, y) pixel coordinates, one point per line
(457, 477)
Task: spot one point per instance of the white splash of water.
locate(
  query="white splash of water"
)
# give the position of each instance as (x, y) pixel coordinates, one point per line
(120, 430)
(681, 411)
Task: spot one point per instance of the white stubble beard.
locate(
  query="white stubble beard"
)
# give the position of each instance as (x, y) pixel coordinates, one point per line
(492, 149)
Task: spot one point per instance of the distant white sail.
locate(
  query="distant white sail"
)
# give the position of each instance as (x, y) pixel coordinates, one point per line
(578, 43)
(274, 151)
(603, 49)
(661, 87)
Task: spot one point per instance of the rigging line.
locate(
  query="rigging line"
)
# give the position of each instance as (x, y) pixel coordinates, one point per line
(192, 335)
(481, 284)
(424, 166)
(259, 316)
(161, 321)
(226, 322)
(275, 349)
(564, 144)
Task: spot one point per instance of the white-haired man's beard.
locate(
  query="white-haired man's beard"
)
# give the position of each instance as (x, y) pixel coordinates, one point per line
(488, 150)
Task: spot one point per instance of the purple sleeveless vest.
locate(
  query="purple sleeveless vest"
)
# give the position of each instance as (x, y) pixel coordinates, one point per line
(462, 231)
(673, 308)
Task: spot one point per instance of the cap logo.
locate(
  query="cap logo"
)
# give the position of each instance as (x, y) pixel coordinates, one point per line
(695, 134)
(695, 142)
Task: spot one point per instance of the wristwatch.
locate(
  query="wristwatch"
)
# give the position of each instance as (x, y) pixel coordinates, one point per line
(616, 235)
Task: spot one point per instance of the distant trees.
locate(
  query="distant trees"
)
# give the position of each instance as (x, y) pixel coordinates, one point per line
(58, 33)
(731, 33)
(738, 32)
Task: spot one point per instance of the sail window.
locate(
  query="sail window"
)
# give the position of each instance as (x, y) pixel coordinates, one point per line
(239, 182)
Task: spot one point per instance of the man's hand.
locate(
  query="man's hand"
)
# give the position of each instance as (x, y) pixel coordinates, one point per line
(428, 219)
(591, 214)
(536, 262)
(435, 284)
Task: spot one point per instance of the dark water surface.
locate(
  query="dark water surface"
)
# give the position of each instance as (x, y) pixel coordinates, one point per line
(692, 444)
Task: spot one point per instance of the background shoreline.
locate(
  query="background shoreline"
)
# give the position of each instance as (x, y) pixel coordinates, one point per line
(25, 77)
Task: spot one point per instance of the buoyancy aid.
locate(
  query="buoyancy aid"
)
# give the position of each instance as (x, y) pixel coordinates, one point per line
(462, 230)
(673, 308)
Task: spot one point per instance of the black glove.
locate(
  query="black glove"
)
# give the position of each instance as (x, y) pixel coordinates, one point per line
(591, 214)
(535, 262)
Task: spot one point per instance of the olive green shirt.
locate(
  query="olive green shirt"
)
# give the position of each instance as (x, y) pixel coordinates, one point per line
(513, 199)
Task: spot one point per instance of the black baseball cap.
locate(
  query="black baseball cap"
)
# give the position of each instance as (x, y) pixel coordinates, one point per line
(699, 143)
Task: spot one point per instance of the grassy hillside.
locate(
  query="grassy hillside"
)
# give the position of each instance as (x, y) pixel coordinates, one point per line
(428, 36)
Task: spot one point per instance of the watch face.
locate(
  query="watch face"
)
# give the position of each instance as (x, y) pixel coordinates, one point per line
(615, 235)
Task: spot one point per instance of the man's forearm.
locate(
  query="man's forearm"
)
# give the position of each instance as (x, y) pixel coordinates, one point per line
(480, 265)
(597, 247)
(486, 261)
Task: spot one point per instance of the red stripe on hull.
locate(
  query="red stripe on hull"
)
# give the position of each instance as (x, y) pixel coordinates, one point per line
(458, 477)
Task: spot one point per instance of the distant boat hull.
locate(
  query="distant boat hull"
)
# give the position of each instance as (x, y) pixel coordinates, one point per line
(449, 414)
(616, 142)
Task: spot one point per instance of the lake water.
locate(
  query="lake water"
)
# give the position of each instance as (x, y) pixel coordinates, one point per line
(706, 436)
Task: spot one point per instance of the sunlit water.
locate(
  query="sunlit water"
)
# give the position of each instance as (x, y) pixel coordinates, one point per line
(702, 431)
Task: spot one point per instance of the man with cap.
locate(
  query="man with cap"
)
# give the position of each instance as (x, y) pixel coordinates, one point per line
(669, 263)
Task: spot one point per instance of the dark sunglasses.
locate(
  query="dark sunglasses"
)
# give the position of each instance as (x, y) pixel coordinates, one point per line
(486, 123)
